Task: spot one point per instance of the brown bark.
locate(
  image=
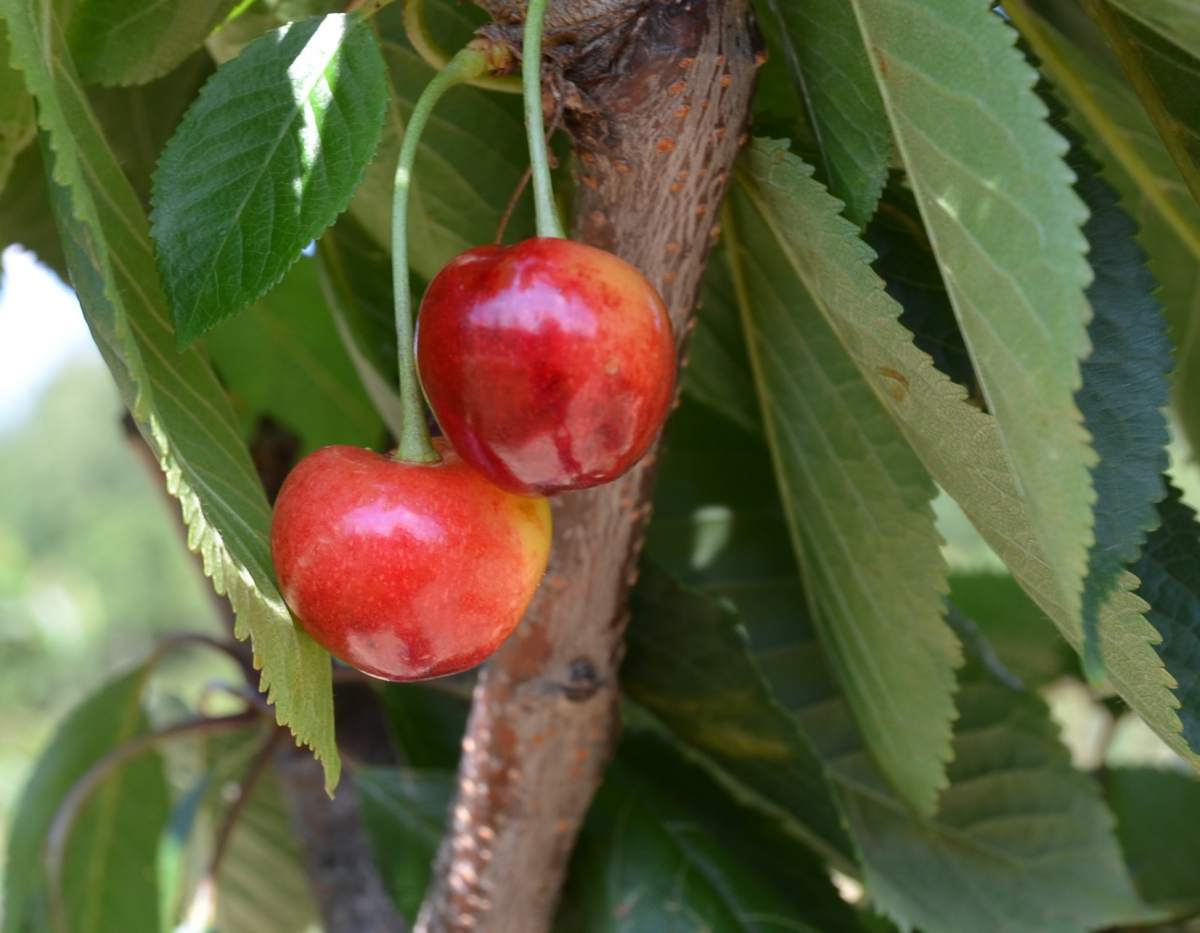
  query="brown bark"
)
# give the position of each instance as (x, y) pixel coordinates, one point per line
(657, 97)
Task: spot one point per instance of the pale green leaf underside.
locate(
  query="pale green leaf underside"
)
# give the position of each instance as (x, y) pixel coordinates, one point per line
(118, 42)
(996, 197)
(269, 154)
(180, 407)
(959, 445)
(858, 504)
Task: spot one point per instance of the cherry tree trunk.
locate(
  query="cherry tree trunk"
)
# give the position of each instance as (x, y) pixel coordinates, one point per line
(656, 98)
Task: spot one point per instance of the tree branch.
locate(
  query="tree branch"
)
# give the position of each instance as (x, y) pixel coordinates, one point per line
(657, 98)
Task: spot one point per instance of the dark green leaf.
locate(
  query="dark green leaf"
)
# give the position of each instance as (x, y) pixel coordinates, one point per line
(17, 124)
(427, 723)
(1169, 569)
(1124, 393)
(116, 42)
(139, 120)
(1157, 814)
(264, 160)
(665, 849)
(283, 359)
(857, 500)
(108, 877)
(834, 69)
(404, 812)
(1166, 77)
(996, 198)
(718, 370)
(1175, 20)
(25, 215)
(179, 406)
(1023, 638)
(688, 664)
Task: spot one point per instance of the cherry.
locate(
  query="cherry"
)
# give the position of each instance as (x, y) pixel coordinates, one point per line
(405, 570)
(550, 364)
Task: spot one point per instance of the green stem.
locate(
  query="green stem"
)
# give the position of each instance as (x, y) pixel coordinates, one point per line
(548, 223)
(415, 445)
(426, 46)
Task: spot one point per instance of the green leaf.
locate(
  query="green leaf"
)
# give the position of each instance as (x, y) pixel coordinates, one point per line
(718, 370)
(25, 215)
(1174, 20)
(310, 385)
(858, 503)
(1169, 569)
(114, 42)
(453, 205)
(665, 848)
(17, 124)
(404, 812)
(1021, 841)
(835, 72)
(996, 197)
(1124, 393)
(1166, 77)
(1157, 813)
(1152, 190)
(268, 155)
(688, 664)
(262, 883)
(108, 876)
(175, 398)
(960, 445)
(1023, 638)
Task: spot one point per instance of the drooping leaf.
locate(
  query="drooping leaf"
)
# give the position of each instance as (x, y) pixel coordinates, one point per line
(17, 125)
(283, 359)
(1166, 77)
(665, 848)
(264, 160)
(958, 443)
(404, 812)
(453, 205)
(176, 400)
(1138, 165)
(108, 877)
(710, 696)
(1157, 812)
(835, 71)
(1169, 570)
(115, 42)
(1124, 393)
(858, 503)
(996, 197)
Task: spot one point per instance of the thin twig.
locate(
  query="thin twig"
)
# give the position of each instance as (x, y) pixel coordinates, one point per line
(246, 789)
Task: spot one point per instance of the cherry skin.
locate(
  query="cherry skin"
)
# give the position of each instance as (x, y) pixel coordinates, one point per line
(405, 571)
(550, 365)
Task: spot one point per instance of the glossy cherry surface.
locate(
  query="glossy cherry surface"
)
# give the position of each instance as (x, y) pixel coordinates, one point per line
(405, 571)
(550, 364)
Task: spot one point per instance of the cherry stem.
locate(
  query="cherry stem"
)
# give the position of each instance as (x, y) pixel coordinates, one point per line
(426, 46)
(476, 59)
(548, 223)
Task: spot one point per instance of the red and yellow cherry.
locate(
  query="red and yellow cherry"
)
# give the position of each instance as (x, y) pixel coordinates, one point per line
(550, 365)
(405, 571)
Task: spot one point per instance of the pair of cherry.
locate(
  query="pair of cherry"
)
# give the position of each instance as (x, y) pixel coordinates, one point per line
(550, 366)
